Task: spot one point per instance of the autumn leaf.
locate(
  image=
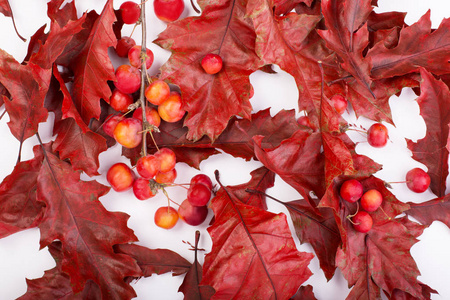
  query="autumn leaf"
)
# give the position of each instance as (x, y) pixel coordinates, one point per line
(253, 253)
(348, 36)
(418, 47)
(191, 287)
(298, 161)
(381, 259)
(93, 68)
(434, 103)
(5, 9)
(304, 293)
(19, 209)
(211, 100)
(433, 210)
(28, 85)
(155, 261)
(87, 231)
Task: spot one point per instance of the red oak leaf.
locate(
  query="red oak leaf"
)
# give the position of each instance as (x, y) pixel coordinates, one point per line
(434, 103)
(5, 9)
(283, 41)
(190, 286)
(317, 227)
(211, 100)
(418, 47)
(348, 36)
(87, 231)
(63, 15)
(81, 148)
(434, 210)
(304, 293)
(28, 85)
(55, 284)
(385, 20)
(298, 161)
(93, 68)
(253, 253)
(380, 259)
(155, 261)
(19, 209)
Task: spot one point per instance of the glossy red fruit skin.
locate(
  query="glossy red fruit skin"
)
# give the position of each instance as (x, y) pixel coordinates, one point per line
(170, 110)
(130, 11)
(157, 92)
(120, 177)
(371, 200)
(377, 135)
(305, 121)
(203, 179)
(111, 123)
(124, 45)
(128, 132)
(362, 221)
(417, 180)
(166, 177)
(120, 101)
(166, 217)
(167, 158)
(134, 56)
(148, 166)
(212, 63)
(151, 113)
(142, 190)
(128, 79)
(198, 194)
(339, 103)
(168, 10)
(351, 190)
(192, 215)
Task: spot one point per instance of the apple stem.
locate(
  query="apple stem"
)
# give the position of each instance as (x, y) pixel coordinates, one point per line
(385, 213)
(357, 210)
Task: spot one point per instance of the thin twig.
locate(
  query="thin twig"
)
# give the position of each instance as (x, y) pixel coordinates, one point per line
(143, 75)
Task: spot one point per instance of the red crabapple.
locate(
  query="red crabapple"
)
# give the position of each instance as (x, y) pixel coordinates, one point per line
(305, 121)
(168, 10)
(151, 113)
(166, 177)
(166, 217)
(157, 92)
(351, 190)
(120, 177)
(339, 103)
(198, 194)
(134, 56)
(120, 101)
(371, 200)
(128, 79)
(111, 123)
(362, 221)
(203, 179)
(148, 166)
(417, 180)
(170, 110)
(130, 12)
(192, 215)
(124, 45)
(377, 135)
(167, 159)
(212, 63)
(142, 189)
(128, 132)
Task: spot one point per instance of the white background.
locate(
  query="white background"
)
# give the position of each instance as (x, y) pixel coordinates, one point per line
(20, 257)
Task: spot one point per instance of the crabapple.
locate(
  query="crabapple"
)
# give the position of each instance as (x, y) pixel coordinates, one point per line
(198, 194)
(305, 121)
(371, 200)
(212, 63)
(351, 190)
(148, 166)
(167, 159)
(128, 79)
(120, 177)
(339, 103)
(166, 217)
(151, 114)
(203, 179)
(377, 135)
(111, 123)
(166, 177)
(157, 92)
(168, 10)
(170, 110)
(417, 180)
(362, 221)
(192, 215)
(128, 132)
(134, 56)
(120, 101)
(130, 12)
(142, 189)
(124, 45)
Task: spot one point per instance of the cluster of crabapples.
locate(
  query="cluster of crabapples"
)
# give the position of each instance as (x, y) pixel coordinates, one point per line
(377, 134)
(352, 191)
